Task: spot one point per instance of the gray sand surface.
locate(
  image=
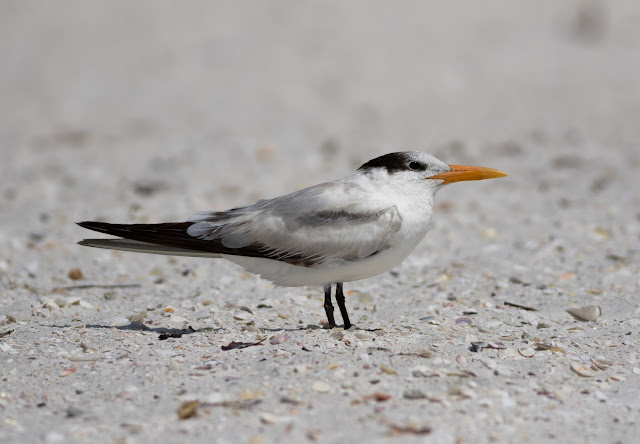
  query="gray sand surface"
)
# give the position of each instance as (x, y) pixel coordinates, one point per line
(150, 111)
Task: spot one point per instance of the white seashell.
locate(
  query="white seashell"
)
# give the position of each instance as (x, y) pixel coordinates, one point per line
(586, 313)
(582, 370)
(527, 352)
(270, 418)
(492, 323)
(138, 317)
(421, 371)
(321, 387)
(279, 339)
(241, 316)
(602, 363)
(177, 319)
(302, 369)
(364, 336)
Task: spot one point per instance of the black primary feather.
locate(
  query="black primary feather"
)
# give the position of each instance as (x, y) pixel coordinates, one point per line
(174, 234)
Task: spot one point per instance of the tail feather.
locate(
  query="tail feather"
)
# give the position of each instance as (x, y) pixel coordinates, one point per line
(171, 234)
(143, 247)
(168, 236)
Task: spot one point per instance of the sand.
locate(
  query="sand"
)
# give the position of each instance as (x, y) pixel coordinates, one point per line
(152, 111)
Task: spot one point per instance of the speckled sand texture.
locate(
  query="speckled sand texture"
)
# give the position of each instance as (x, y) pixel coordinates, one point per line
(150, 111)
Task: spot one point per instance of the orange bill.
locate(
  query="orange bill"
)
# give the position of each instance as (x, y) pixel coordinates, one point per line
(459, 173)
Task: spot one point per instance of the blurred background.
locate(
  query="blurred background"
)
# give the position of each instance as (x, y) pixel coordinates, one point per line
(153, 110)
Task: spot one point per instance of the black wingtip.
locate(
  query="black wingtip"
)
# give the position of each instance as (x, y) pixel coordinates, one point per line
(87, 224)
(92, 225)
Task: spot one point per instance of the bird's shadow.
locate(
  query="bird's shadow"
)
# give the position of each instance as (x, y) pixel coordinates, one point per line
(139, 326)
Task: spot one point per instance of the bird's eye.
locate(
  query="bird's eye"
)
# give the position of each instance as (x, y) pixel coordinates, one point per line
(415, 166)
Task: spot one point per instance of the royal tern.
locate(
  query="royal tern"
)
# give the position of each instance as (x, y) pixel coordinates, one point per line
(341, 231)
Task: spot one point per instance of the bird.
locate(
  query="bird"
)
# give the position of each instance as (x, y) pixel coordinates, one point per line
(325, 235)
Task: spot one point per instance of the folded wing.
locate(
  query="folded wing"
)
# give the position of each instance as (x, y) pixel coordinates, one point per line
(316, 225)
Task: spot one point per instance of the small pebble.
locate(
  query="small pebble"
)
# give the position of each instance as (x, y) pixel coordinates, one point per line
(424, 353)
(413, 428)
(7, 319)
(290, 400)
(379, 396)
(188, 409)
(414, 394)
(73, 411)
(67, 371)
(388, 370)
(75, 274)
(279, 339)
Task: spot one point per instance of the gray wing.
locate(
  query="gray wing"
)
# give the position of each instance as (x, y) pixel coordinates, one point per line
(325, 223)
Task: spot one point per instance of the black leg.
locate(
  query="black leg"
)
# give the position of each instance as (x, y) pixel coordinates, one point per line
(328, 306)
(341, 306)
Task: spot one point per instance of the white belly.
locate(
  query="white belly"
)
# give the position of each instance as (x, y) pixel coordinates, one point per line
(288, 275)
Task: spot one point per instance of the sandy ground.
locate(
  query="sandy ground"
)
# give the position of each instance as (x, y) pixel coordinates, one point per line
(151, 111)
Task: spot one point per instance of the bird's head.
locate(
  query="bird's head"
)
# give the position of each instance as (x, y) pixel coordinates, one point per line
(414, 166)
